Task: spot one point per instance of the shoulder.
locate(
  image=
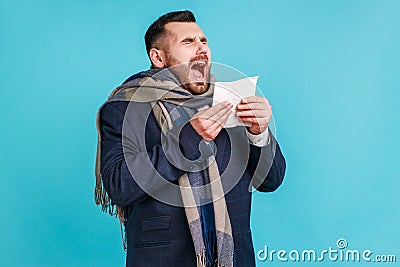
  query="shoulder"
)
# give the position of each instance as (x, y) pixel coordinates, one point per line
(133, 114)
(123, 107)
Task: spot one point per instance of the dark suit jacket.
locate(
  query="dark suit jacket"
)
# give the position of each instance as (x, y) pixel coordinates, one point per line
(132, 158)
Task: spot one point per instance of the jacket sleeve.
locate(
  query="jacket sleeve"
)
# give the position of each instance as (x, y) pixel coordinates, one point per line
(130, 172)
(267, 166)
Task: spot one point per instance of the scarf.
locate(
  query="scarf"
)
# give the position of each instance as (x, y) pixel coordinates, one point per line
(173, 105)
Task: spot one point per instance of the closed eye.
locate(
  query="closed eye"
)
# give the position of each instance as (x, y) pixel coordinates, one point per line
(192, 39)
(188, 40)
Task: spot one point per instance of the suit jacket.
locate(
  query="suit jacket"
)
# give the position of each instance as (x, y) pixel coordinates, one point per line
(133, 159)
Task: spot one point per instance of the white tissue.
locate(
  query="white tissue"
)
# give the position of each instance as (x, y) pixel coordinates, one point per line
(234, 92)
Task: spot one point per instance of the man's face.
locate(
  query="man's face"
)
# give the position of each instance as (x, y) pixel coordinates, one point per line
(188, 56)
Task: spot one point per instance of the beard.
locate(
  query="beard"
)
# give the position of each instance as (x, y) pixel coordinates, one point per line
(194, 75)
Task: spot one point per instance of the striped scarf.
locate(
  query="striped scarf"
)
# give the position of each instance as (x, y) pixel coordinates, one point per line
(173, 106)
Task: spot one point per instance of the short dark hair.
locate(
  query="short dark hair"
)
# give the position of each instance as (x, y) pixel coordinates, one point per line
(157, 29)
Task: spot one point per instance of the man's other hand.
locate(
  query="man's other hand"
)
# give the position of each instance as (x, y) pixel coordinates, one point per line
(257, 111)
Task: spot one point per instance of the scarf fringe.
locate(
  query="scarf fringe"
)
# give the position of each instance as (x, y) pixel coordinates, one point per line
(101, 198)
(202, 261)
(100, 195)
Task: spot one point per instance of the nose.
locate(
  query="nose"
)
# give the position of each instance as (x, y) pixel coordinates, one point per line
(202, 47)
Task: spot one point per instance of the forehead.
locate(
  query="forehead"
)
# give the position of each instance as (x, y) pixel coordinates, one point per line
(183, 29)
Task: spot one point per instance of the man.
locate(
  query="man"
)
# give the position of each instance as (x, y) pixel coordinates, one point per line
(180, 180)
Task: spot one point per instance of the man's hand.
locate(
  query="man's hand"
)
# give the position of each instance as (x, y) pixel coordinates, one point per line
(257, 111)
(209, 122)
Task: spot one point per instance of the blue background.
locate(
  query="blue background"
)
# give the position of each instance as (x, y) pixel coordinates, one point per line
(329, 68)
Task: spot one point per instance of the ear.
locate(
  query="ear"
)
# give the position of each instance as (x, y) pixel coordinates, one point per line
(157, 57)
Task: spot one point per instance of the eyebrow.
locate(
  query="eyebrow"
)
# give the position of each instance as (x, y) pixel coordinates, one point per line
(192, 38)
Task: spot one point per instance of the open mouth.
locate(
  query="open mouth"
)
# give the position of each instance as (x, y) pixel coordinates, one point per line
(198, 71)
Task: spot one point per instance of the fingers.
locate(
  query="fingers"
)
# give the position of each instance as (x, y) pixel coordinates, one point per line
(255, 110)
(259, 121)
(253, 113)
(255, 99)
(214, 114)
(227, 107)
(217, 123)
(216, 109)
(211, 126)
(208, 123)
(254, 102)
(254, 106)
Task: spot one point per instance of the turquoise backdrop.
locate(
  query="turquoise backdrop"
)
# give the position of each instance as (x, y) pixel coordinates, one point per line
(331, 70)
